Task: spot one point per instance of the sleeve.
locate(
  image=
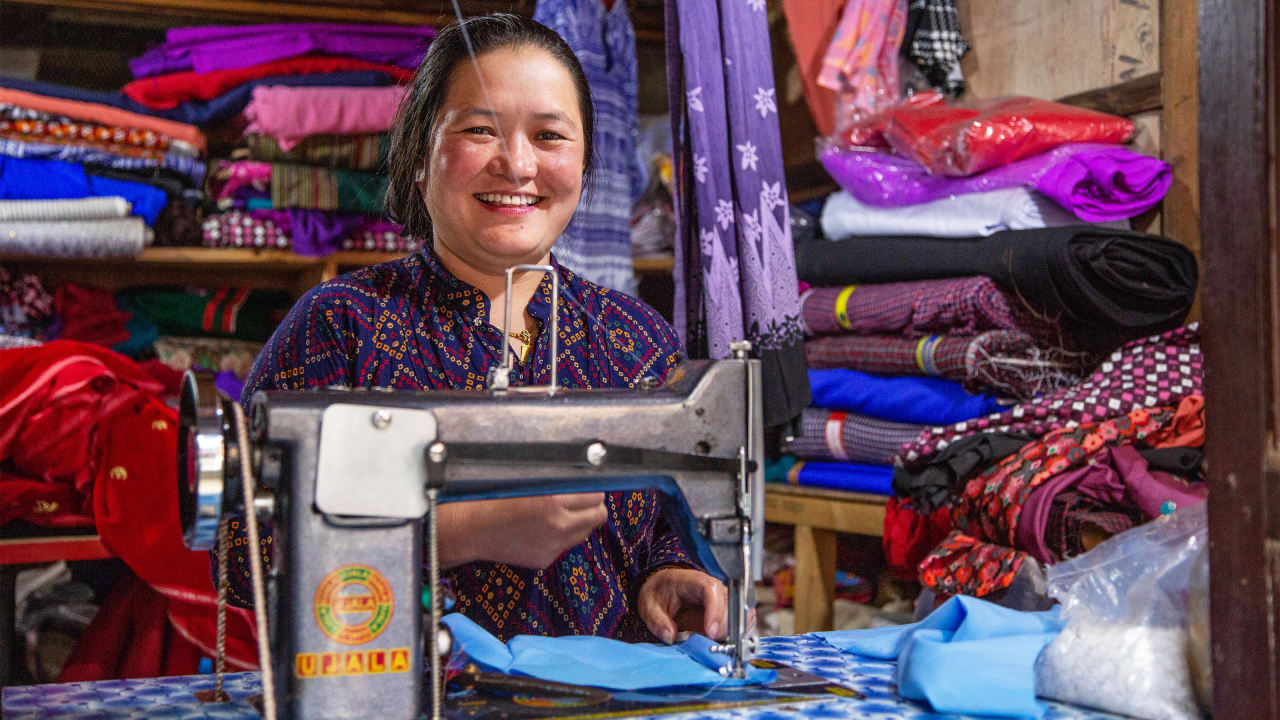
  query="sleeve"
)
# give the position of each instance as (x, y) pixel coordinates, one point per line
(308, 349)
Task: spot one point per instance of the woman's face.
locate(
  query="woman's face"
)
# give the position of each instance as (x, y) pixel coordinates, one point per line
(494, 206)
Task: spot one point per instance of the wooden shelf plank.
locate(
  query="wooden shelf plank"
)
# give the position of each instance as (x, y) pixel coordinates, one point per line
(1125, 99)
(825, 509)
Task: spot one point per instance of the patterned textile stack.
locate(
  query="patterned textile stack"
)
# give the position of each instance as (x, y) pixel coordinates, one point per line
(980, 244)
(83, 179)
(308, 171)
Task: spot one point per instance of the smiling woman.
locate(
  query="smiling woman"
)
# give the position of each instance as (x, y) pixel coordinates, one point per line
(490, 152)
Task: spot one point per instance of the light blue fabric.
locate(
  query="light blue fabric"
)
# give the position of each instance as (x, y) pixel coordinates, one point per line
(969, 656)
(904, 399)
(599, 662)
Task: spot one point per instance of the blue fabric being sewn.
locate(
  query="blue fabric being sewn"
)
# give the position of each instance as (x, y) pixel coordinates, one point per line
(969, 656)
(599, 662)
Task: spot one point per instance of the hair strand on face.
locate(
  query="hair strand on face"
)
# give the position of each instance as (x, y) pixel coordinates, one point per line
(419, 112)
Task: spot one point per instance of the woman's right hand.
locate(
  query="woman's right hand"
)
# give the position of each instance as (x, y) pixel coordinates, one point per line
(529, 531)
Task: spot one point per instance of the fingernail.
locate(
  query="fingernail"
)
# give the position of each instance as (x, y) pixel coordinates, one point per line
(668, 636)
(714, 629)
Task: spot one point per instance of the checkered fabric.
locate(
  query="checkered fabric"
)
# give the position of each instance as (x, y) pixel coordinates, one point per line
(997, 360)
(839, 435)
(1157, 370)
(958, 306)
(1072, 513)
(934, 42)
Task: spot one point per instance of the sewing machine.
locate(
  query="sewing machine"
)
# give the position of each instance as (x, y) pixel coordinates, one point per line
(350, 480)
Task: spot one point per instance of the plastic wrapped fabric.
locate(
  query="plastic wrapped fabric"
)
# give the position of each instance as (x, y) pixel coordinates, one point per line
(867, 131)
(1124, 647)
(904, 399)
(861, 63)
(1096, 182)
(838, 435)
(962, 140)
(1102, 286)
(974, 215)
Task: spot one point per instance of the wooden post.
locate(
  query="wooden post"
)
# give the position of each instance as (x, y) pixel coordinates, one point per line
(1179, 125)
(1238, 184)
(815, 578)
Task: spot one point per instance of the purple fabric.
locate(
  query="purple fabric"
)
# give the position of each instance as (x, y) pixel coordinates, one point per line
(735, 267)
(227, 382)
(210, 48)
(316, 233)
(1096, 182)
(1117, 476)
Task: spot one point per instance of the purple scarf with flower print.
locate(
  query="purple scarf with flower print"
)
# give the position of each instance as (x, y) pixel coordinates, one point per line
(735, 266)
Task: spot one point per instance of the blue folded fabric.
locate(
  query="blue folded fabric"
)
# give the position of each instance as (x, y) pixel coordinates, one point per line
(599, 662)
(201, 113)
(969, 656)
(853, 477)
(27, 179)
(904, 399)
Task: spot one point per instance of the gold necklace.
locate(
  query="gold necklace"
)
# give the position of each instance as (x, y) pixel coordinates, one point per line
(525, 337)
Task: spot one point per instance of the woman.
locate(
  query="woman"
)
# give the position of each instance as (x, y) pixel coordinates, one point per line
(487, 164)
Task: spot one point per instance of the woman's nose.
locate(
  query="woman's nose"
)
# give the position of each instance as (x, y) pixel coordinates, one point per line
(517, 161)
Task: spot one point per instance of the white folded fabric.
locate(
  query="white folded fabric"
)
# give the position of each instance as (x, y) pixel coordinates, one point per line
(971, 215)
(75, 238)
(94, 208)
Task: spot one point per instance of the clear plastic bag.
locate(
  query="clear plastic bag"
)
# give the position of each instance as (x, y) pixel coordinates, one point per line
(1125, 645)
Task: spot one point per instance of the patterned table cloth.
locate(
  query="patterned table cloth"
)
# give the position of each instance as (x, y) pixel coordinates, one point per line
(171, 698)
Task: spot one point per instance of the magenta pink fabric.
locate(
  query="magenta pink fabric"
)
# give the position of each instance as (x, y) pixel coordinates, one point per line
(290, 114)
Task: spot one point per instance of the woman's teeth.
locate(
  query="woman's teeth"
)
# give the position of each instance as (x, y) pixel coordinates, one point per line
(512, 200)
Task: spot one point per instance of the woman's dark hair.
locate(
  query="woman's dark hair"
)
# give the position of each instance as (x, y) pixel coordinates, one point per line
(420, 110)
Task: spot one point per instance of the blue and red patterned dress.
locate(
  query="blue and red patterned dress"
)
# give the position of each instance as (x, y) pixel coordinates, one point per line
(412, 325)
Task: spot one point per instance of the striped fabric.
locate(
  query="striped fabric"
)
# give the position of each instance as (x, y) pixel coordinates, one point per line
(349, 152)
(959, 306)
(838, 435)
(305, 186)
(119, 157)
(93, 208)
(15, 118)
(597, 242)
(997, 360)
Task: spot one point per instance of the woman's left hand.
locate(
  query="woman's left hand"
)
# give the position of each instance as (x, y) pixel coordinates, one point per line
(670, 591)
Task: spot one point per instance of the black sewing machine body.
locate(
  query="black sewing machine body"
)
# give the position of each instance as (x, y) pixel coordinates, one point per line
(347, 477)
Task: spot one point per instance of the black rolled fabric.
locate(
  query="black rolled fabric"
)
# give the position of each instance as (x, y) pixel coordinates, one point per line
(944, 477)
(1182, 461)
(1103, 286)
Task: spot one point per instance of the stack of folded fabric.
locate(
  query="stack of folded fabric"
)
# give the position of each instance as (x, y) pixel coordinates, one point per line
(84, 179)
(312, 104)
(988, 245)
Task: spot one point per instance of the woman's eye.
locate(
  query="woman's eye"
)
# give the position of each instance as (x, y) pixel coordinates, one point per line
(478, 131)
(550, 135)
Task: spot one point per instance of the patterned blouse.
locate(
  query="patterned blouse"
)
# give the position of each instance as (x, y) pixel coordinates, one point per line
(410, 324)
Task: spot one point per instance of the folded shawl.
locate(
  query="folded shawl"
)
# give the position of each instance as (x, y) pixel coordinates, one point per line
(839, 435)
(996, 360)
(904, 399)
(972, 215)
(956, 306)
(1103, 286)
(290, 114)
(91, 208)
(350, 152)
(114, 237)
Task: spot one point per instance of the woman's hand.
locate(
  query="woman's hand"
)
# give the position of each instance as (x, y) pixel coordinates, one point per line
(675, 599)
(529, 532)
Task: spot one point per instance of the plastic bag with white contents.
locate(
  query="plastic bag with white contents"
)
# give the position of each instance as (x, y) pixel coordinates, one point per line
(1124, 647)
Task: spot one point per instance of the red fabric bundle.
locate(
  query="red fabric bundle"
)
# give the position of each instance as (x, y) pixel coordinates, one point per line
(869, 131)
(958, 141)
(165, 92)
(909, 536)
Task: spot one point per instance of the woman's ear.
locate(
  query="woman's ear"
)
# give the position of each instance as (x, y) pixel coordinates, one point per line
(421, 175)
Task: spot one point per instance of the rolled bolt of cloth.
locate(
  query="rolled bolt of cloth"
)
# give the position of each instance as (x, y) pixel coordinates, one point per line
(1103, 286)
(91, 208)
(76, 238)
(1158, 370)
(1000, 360)
(957, 306)
(839, 435)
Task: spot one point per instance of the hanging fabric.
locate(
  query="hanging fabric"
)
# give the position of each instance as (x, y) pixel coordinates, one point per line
(597, 243)
(735, 269)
